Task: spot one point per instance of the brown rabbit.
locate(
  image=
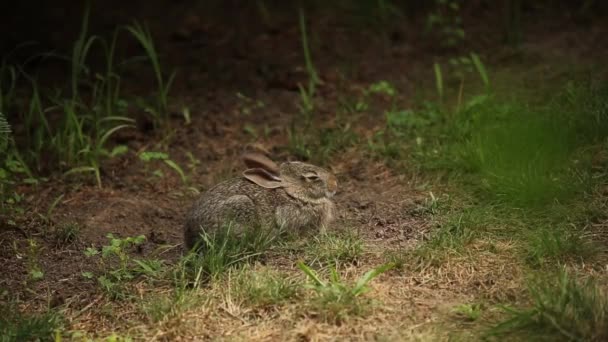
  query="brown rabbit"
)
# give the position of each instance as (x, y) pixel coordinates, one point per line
(290, 196)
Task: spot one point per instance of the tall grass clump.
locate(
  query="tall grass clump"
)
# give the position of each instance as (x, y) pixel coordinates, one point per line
(562, 308)
(522, 155)
(514, 153)
(69, 128)
(18, 326)
(217, 252)
(142, 34)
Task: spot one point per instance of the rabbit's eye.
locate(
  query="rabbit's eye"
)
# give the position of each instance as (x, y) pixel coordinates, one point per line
(311, 177)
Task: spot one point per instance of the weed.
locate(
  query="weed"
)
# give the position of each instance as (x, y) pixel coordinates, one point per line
(149, 156)
(113, 279)
(555, 244)
(334, 249)
(446, 19)
(300, 127)
(151, 268)
(67, 233)
(221, 251)
(157, 307)
(5, 131)
(144, 37)
(264, 288)
(470, 312)
(438, 81)
(16, 325)
(562, 307)
(33, 260)
(313, 77)
(335, 300)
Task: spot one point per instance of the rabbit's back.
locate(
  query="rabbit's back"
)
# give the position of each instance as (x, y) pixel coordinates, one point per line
(236, 201)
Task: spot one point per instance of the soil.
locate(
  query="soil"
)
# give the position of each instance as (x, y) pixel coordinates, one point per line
(217, 57)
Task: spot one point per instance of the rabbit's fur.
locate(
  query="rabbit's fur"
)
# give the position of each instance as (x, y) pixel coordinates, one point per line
(290, 196)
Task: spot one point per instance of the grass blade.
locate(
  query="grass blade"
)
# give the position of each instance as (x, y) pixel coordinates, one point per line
(311, 274)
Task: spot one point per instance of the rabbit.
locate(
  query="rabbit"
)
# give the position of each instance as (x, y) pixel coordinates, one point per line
(292, 196)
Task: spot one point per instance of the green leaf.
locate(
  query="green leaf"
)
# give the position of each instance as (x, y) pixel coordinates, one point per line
(177, 169)
(150, 155)
(111, 131)
(360, 287)
(480, 69)
(87, 275)
(36, 274)
(80, 169)
(90, 251)
(311, 274)
(118, 150)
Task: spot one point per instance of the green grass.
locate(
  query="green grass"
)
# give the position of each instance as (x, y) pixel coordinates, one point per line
(516, 170)
(66, 233)
(333, 249)
(563, 308)
(263, 288)
(161, 113)
(18, 326)
(69, 127)
(335, 300)
(553, 245)
(223, 250)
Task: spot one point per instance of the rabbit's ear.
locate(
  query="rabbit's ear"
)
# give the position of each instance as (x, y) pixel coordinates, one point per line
(263, 178)
(257, 160)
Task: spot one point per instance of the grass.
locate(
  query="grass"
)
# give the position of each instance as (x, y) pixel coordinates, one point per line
(223, 250)
(18, 326)
(514, 171)
(66, 233)
(144, 37)
(562, 308)
(263, 288)
(70, 128)
(333, 249)
(554, 245)
(335, 300)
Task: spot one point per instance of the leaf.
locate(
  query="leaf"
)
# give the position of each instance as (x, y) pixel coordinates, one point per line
(87, 275)
(362, 282)
(480, 69)
(80, 169)
(311, 274)
(111, 131)
(438, 80)
(36, 274)
(176, 167)
(150, 155)
(118, 150)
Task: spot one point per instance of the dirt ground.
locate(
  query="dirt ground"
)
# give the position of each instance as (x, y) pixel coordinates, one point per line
(217, 58)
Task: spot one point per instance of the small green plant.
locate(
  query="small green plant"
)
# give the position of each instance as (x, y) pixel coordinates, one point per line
(334, 249)
(471, 312)
(308, 93)
(113, 278)
(447, 21)
(149, 156)
(67, 233)
(562, 308)
(33, 256)
(335, 300)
